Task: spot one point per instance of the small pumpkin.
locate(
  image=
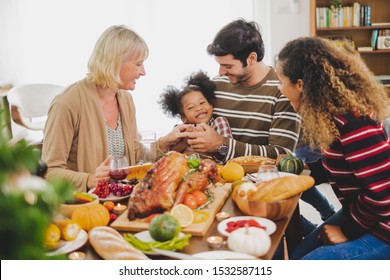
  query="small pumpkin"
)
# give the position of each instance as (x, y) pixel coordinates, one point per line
(291, 164)
(249, 240)
(90, 216)
(164, 227)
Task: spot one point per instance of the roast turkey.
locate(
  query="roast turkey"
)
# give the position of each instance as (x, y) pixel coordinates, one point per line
(167, 182)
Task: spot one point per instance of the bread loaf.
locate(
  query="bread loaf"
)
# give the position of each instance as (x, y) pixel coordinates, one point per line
(282, 188)
(111, 245)
(256, 160)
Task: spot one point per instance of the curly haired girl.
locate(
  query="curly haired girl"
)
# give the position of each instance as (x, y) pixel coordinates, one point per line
(194, 105)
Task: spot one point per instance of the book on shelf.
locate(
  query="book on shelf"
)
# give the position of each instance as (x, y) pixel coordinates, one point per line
(343, 16)
(356, 14)
(365, 49)
(374, 38)
(367, 16)
(379, 23)
(362, 15)
(384, 79)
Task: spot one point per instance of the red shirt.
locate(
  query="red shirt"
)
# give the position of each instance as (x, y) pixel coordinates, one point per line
(358, 167)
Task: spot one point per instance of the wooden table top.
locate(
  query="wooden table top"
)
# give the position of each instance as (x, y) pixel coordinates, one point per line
(284, 227)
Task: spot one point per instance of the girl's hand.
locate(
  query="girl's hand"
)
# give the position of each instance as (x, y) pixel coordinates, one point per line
(173, 137)
(332, 235)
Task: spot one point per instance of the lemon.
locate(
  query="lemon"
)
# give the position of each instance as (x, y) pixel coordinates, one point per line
(232, 171)
(200, 216)
(183, 214)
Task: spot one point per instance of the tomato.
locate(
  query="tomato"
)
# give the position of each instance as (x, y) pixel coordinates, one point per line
(113, 217)
(109, 205)
(200, 197)
(152, 216)
(190, 201)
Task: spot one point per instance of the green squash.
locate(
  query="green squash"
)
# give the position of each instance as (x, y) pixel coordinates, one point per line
(291, 164)
(164, 227)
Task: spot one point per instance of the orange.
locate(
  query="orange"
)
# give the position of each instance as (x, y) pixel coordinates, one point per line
(109, 205)
(232, 171)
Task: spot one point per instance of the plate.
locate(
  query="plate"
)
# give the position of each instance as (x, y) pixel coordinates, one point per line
(70, 246)
(252, 176)
(222, 255)
(145, 236)
(281, 174)
(110, 197)
(270, 225)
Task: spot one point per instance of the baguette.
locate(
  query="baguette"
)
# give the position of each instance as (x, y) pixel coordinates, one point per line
(282, 188)
(111, 245)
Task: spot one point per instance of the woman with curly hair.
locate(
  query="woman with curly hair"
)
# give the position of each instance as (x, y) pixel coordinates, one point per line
(342, 104)
(194, 105)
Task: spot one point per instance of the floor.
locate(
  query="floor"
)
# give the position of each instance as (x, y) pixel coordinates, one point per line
(310, 213)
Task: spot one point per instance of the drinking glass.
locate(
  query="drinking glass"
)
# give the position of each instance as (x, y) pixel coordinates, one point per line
(266, 173)
(148, 149)
(119, 168)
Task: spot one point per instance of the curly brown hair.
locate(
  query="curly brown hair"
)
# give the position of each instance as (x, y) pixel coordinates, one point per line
(335, 81)
(170, 98)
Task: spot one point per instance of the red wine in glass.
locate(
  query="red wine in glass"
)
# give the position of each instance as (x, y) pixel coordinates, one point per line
(119, 174)
(119, 168)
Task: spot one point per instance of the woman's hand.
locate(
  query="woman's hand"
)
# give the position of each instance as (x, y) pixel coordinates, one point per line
(332, 235)
(102, 171)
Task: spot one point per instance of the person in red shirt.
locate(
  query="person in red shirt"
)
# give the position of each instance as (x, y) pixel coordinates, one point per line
(342, 105)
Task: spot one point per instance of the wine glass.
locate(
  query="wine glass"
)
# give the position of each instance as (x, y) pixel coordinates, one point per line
(119, 168)
(147, 147)
(266, 173)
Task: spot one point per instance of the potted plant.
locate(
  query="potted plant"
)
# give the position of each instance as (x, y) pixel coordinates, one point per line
(28, 203)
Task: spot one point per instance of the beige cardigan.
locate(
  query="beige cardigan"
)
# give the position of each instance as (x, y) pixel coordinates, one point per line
(75, 141)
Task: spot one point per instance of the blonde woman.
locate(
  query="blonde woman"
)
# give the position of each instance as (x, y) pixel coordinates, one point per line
(95, 117)
(342, 104)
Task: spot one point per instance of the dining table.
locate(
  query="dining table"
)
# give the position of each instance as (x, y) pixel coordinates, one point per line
(283, 239)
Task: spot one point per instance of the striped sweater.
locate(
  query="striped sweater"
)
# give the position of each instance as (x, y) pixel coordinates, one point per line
(358, 167)
(262, 120)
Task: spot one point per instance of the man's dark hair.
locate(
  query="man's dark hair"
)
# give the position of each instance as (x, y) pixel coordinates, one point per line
(239, 38)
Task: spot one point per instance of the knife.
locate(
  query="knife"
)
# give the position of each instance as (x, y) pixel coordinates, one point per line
(176, 255)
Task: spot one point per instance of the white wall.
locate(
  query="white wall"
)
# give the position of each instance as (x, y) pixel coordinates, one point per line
(50, 41)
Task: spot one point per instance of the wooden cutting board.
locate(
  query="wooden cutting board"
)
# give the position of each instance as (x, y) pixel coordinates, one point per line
(221, 193)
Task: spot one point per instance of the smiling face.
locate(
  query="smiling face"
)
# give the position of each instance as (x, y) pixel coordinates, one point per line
(131, 70)
(291, 91)
(196, 108)
(233, 69)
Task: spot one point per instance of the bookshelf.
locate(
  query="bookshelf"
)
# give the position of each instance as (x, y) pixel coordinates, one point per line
(377, 60)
